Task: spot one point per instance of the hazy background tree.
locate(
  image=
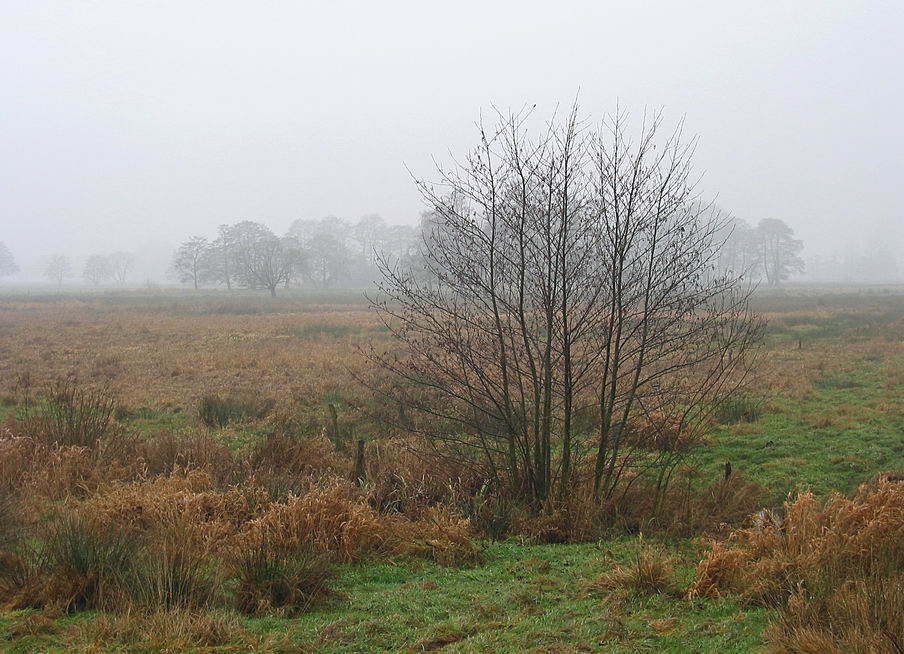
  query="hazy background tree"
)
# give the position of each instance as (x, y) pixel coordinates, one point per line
(239, 239)
(59, 267)
(7, 261)
(370, 233)
(121, 264)
(779, 250)
(191, 261)
(739, 252)
(270, 261)
(97, 269)
(221, 257)
(328, 260)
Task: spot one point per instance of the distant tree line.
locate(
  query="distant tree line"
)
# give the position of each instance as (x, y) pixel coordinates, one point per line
(876, 262)
(322, 254)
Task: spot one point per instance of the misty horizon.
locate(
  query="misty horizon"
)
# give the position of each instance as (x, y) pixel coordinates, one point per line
(134, 127)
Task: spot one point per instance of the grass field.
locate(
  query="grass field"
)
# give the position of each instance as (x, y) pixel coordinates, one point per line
(830, 403)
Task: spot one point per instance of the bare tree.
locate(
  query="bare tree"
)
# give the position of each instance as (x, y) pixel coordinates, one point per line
(97, 269)
(121, 263)
(571, 320)
(190, 261)
(7, 261)
(58, 268)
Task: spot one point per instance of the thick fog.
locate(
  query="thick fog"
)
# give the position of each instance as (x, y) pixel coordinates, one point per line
(135, 125)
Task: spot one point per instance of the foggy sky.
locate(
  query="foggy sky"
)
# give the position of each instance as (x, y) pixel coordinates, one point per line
(127, 124)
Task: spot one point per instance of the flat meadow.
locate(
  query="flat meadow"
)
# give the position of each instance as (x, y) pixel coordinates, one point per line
(180, 472)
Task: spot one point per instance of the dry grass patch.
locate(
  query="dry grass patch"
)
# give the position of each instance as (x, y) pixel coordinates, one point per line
(649, 572)
(834, 568)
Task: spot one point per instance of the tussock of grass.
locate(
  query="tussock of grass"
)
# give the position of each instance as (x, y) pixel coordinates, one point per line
(649, 572)
(275, 580)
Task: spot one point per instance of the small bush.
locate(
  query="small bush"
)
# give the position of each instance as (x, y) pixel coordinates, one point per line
(492, 515)
(332, 519)
(216, 412)
(438, 534)
(273, 579)
(10, 519)
(168, 453)
(833, 569)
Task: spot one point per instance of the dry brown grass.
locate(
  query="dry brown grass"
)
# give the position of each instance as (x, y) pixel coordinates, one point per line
(167, 631)
(171, 359)
(769, 562)
(649, 572)
(835, 569)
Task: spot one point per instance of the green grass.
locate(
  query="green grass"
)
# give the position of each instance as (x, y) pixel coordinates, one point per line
(832, 440)
(522, 598)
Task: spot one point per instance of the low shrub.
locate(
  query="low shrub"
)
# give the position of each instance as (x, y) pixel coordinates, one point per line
(492, 515)
(438, 533)
(216, 412)
(177, 630)
(333, 519)
(271, 579)
(168, 453)
(173, 574)
(10, 519)
(864, 616)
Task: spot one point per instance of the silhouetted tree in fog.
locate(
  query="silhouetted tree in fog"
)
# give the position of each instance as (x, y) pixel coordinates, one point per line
(121, 263)
(191, 261)
(779, 251)
(270, 261)
(328, 260)
(739, 252)
(58, 268)
(370, 233)
(7, 261)
(97, 269)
